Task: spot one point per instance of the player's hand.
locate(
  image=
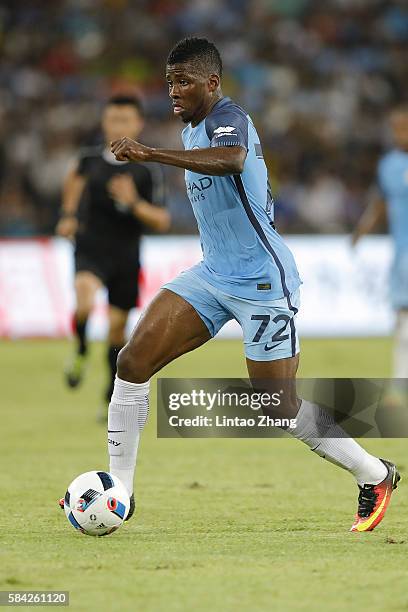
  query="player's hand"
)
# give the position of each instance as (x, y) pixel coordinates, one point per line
(67, 227)
(122, 189)
(126, 149)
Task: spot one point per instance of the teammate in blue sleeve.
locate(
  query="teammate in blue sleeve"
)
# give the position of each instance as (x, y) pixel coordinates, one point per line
(392, 203)
(247, 273)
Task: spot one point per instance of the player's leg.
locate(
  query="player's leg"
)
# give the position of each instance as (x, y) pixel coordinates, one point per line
(116, 341)
(397, 391)
(315, 426)
(122, 284)
(86, 286)
(169, 328)
(123, 293)
(271, 347)
(400, 367)
(180, 318)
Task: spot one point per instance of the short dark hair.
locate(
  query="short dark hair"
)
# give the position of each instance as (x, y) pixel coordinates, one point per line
(123, 100)
(198, 51)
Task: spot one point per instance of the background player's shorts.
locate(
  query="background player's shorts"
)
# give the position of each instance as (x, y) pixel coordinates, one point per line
(268, 325)
(399, 282)
(118, 270)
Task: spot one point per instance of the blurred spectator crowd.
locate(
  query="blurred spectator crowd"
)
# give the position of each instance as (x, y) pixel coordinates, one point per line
(317, 76)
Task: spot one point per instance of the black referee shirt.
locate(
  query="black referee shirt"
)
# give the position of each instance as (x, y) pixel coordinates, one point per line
(101, 218)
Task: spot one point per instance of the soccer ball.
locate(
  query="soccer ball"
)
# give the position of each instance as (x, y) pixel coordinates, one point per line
(96, 503)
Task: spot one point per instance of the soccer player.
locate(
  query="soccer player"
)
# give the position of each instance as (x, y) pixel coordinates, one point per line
(123, 200)
(247, 274)
(392, 202)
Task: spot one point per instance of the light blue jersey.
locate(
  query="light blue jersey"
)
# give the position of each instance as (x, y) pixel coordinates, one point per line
(243, 255)
(247, 273)
(393, 181)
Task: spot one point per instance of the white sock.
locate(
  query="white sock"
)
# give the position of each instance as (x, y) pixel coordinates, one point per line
(401, 346)
(317, 428)
(127, 416)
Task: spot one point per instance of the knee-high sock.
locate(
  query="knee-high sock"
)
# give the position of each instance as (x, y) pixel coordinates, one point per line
(317, 428)
(127, 416)
(79, 326)
(400, 369)
(112, 356)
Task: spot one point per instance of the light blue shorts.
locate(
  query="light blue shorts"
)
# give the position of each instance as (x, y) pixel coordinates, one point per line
(268, 325)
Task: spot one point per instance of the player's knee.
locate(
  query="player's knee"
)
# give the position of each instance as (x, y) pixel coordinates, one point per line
(131, 366)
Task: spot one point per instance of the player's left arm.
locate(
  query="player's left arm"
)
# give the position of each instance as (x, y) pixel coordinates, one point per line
(214, 161)
(374, 215)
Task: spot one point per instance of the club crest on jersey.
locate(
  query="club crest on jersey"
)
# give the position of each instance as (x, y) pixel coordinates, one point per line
(226, 130)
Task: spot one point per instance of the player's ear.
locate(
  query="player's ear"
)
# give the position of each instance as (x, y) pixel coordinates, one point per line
(213, 82)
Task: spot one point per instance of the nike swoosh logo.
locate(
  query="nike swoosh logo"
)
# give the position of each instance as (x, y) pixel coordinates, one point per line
(269, 348)
(116, 430)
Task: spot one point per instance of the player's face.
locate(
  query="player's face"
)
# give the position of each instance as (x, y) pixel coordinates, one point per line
(399, 125)
(191, 93)
(119, 121)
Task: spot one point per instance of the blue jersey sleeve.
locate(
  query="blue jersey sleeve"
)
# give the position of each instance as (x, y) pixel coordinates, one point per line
(227, 128)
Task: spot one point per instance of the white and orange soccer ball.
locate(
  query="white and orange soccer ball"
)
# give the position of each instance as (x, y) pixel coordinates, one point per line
(96, 503)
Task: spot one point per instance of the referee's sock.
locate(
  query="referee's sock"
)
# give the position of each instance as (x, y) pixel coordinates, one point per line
(128, 411)
(80, 333)
(112, 356)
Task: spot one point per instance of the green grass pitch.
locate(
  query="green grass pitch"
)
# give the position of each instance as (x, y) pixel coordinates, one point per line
(221, 525)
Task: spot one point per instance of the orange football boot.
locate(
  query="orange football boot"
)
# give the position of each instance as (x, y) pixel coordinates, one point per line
(373, 500)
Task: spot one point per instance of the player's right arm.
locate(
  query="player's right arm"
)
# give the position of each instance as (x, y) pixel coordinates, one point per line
(73, 188)
(374, 215)
(214, 161)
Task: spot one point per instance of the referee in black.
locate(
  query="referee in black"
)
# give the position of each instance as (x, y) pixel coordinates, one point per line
(121, 201)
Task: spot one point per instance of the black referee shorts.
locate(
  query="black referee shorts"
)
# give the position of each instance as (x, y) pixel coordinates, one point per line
(117, 268)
